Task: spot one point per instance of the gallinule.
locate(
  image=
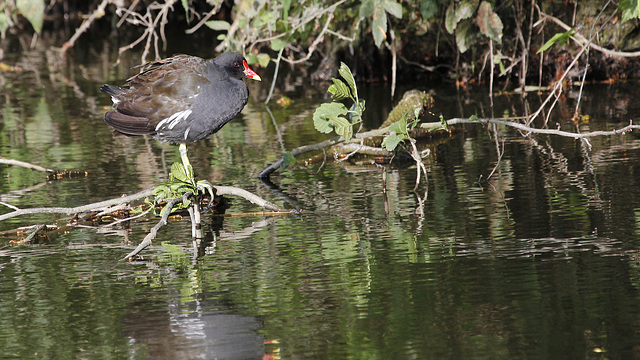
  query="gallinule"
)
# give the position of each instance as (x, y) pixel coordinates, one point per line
(181, 99)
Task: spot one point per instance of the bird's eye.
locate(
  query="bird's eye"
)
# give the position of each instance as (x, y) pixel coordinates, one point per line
(236, 64)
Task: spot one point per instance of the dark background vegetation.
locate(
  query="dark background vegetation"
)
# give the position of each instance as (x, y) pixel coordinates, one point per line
(381, 40)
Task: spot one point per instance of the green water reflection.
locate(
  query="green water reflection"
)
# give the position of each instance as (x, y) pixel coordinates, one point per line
(539, 261)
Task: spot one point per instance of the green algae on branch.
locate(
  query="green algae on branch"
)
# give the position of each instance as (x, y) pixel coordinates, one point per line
(411, 102)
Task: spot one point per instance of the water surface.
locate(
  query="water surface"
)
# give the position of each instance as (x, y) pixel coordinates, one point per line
(537, 261)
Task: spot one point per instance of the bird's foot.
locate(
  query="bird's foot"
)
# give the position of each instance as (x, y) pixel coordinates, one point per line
(205, 187)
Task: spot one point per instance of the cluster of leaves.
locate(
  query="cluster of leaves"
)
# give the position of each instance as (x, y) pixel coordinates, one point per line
(181, 181)
(464, 19)
(400, 130)
(377, 11)
(335, 116)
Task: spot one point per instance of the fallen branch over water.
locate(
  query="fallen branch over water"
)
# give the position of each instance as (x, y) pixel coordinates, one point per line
(532, 130)
(338, 144)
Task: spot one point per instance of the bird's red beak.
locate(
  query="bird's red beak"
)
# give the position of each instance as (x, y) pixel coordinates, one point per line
(250, 73)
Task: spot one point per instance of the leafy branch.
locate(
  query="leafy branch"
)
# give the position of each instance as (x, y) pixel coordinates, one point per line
(335, 116)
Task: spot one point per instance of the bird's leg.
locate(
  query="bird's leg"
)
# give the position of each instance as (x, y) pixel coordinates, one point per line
(183, 155)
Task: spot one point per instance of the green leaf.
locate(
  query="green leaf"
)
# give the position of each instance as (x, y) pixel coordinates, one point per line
(278, 43)
(450, 21)
(33, 10)
(630, 9)
(559, 38)
(251, 58)
(339, 90)
(489, 22)
(379, 26)
(218, 25)
(185, 5)
(179, 172)
(325, 113)
(391, 141)
(345, 72)
(465, 36)
(454, 15)
(428, 9)
(367, 8)
(399, 127)
(161, 192)
(393, 8)
(342, 126)
(264, 59)
(5, 22)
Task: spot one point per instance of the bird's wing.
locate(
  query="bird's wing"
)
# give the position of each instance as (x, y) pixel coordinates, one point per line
(163, 92)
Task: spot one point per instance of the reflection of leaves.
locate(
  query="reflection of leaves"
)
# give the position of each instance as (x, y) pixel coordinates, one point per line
(287, 159)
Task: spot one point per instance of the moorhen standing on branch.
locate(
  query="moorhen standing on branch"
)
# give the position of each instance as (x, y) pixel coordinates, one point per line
(181, 99)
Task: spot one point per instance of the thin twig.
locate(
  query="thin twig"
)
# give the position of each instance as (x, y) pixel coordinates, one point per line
(213, 11)
(154, 230)
(558, 132)
(275, 76)
(97, 13)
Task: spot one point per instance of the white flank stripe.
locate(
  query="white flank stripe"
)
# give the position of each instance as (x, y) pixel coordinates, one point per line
(186, 133)
(174, 119)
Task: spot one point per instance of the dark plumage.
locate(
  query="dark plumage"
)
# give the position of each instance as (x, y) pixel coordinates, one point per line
(182, 98)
